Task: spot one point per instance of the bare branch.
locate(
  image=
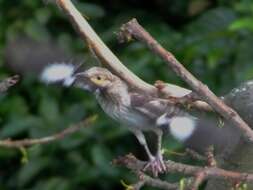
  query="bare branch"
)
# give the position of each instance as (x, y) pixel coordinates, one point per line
(210, 157)
(146, 180)
(45, 140)
(138, 185)
(200, 177)
(109, 60)
(133, 28)
(155, 182)
(194, 155)
(103, 53)
(182, 95)
(8, 82)
(132, 163)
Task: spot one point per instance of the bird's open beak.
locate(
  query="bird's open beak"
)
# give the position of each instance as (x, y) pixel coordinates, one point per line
(81, 75)
(82, 81)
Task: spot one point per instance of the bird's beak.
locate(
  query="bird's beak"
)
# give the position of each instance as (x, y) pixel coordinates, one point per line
(81, 75)
(82, 81)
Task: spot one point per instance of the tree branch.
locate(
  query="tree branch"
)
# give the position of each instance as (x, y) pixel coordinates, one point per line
(167, 91)
(45, 140)
(103, 53)
(146, 180)
(155, 182)
(132, 163)
(194, 155)
(8, 82)
(200, 177)
(133, 28)
(109, 60)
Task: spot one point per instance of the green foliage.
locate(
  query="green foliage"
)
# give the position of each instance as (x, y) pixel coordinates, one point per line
(213, 40)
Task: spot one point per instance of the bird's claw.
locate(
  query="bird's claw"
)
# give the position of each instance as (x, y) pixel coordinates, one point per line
(156, 165)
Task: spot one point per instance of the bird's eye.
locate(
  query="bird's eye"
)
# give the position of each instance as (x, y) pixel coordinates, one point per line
(98, 78)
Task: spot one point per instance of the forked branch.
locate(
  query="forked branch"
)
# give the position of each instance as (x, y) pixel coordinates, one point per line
(109, 60)
(103, 53)
(201, 173)
(134, 29)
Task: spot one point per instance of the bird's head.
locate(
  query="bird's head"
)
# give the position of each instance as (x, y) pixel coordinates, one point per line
(95, 78)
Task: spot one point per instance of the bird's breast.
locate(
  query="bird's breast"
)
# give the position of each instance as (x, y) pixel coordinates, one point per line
(123, 113)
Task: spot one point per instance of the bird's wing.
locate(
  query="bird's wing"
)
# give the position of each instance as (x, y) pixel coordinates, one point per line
(165, 115)
(151, 107)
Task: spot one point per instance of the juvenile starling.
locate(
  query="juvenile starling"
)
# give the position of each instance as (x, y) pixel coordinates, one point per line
(138, 112)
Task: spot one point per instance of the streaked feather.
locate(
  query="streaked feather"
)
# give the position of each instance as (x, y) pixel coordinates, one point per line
(153, 107)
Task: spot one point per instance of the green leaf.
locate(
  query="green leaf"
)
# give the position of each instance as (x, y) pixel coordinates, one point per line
(31, 169)
(244, 55)
(244, 23)
(54, 183)
(43, 15)
(24, 158)
(18, 125)
(16, 102)
(91, 10)
(36, 30)
(101, 157)
(49, 110)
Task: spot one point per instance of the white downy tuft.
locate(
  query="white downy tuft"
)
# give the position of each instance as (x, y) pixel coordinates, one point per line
(182, 127)
(57, 72)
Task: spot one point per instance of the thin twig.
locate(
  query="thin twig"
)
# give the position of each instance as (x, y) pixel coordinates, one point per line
(200, 177)
(194, 155)
(210, 157)
(8, 82)
(133, 28)
(45, 140)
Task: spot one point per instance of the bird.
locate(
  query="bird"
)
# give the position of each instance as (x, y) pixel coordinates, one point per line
(137, 111)
(198, 137)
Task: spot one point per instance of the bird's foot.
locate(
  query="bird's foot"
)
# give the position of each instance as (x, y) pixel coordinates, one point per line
(156, 165)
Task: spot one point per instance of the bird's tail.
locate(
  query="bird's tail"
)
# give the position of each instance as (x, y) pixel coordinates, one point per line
(211, 129)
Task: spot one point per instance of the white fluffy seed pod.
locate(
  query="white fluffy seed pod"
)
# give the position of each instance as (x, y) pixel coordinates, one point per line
(58, 72)
(182, 127)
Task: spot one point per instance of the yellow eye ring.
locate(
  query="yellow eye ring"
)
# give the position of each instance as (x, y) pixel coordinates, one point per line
(97, 80)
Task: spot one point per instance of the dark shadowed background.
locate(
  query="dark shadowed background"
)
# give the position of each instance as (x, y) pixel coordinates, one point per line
(213, 39)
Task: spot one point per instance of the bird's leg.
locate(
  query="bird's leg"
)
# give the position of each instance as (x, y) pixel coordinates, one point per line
(159, 154)
(155, 164)
(142, 140)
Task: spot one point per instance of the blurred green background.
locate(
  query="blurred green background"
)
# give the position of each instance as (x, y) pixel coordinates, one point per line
(213, 39)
